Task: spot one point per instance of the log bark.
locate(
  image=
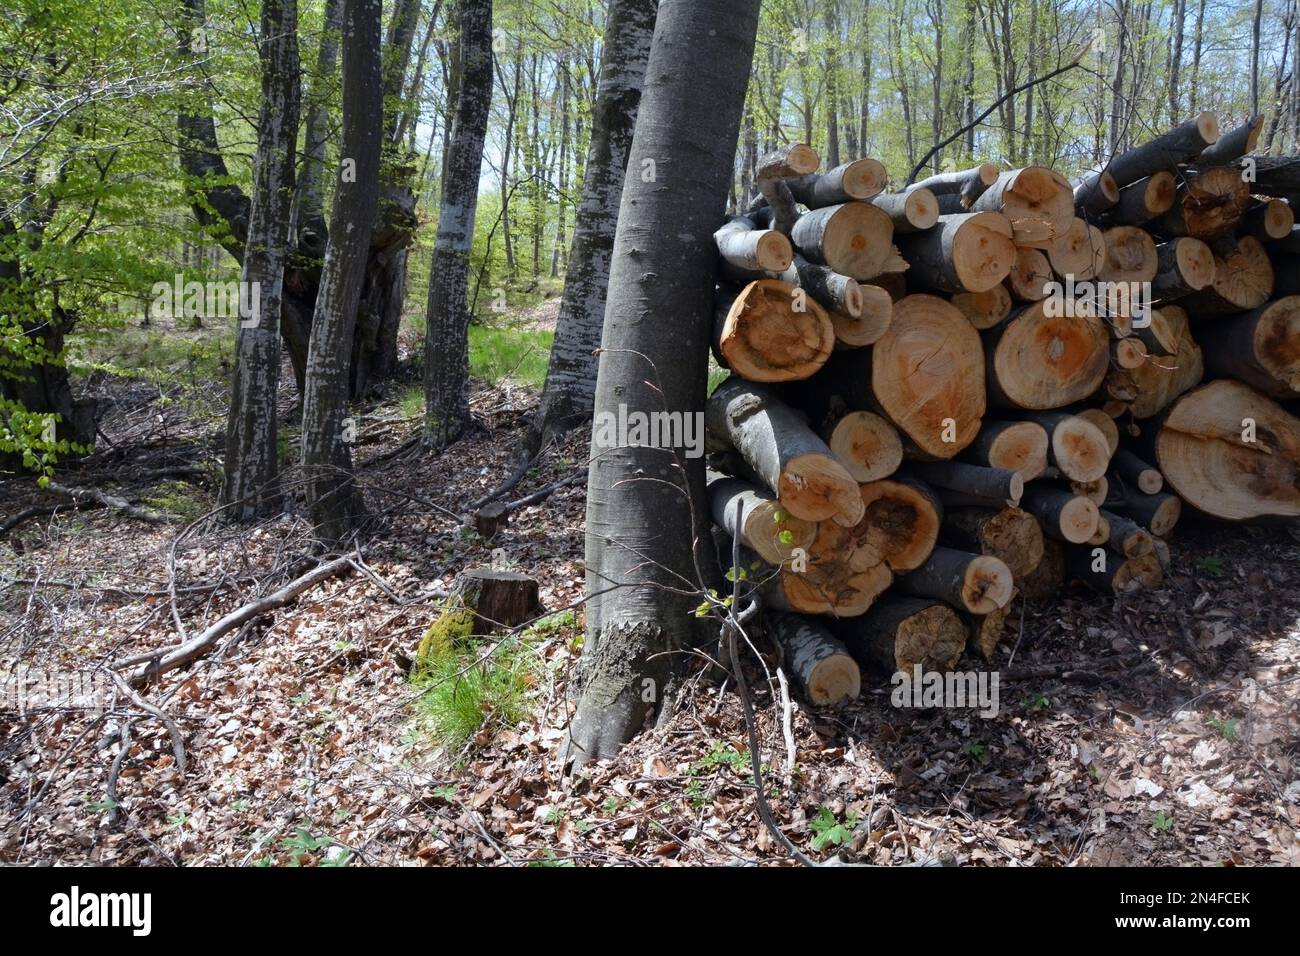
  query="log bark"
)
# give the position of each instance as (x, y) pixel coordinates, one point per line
(927, 375)
(1183, 266)
(967, 184)
(1260, 348)
(1232, 145)
(1144, 200)
(820, 665)
(500, 600)
(902, 632)
(855, 238)
(1095, 192)
(859, 179)
(783, 451)
(976, 583)
(915, 210)
(1045, 580)
(764, 526)
(1127, 536)
(1109, 572)
(999, 484)
(1017, 446)
(970, 252)
(1202, 452)
(744, 246)
(1062, 514)
(1158, 512)
(1009, 534)
(1033, 193)
(1133, 472)
(1167, 151)
(1270, 220)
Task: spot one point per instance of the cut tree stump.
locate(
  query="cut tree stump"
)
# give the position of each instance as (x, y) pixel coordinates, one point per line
(500, 600)
(490, 519)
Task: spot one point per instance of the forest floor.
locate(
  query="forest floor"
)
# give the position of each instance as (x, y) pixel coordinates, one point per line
(1160, 728)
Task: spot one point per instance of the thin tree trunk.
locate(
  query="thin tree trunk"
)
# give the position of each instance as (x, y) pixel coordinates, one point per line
(569, 393)
(657, 330)
(309, 217)
(446, 345)
(326, 457)
(561, 241)
(1254, 57)
(252, 465)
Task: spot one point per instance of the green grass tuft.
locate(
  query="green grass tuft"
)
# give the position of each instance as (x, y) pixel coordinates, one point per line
(495, 353)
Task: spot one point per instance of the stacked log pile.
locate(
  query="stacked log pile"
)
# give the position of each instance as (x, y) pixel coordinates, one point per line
(992, 381)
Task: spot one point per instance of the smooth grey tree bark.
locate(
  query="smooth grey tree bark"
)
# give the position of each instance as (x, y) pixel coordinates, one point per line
(309, 201)
(646, 511)
(332, 497)
(570, 389)
(250, 488)
(446, 344)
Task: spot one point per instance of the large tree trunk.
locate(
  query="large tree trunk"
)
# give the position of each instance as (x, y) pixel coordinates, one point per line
(326, 457)
(252, 465)
(446, 344)
(657, 331)
(570, 389)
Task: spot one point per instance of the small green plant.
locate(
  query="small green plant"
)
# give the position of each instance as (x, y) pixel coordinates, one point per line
(976, 749)
(828, 830)
(108, 803)
(178, 498)
(498, 353)
(1037, 703)
(304, 849)
(411, 404)
(1211, 565)
(550, 859)
(1163, 822)
(1227, 727)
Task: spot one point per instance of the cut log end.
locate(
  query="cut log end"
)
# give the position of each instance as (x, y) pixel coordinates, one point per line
(866, 445)
(984, 309)
(764, 338)
(818, 488)
(982, 251)
(987, 585)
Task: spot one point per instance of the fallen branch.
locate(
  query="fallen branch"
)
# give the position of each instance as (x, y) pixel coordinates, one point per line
(111, 502)
(146, 667)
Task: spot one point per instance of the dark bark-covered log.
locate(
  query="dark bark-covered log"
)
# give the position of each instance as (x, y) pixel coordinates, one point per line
(899, 526)
(499, 599)
(1203, 452)
(854, 238)
(1044, 580)
(1271, 175)
(1158, 512)
(860, 179)
(1034, 192)
(969, 252)
(743, 245)
(1038, 360)
(1210, 203)
(967, 183)
(1130, 255)
(1184, 266)
(1133, 472)
(1095, 192)
(765, 527)
(1260, 348)
(859, 314)
(1270, 220)
(771, 175)
(1233, 144)
(977, 583)
(1062, 514)
(1017, 446)
(1243, 280)
(987, 631)
(1109, 572)
(1029, 276)
(1077, 447)
(770, 333)
(902, 632)
(1009, 534)
(999, 484)
(866, 445)
(821, 667)
(1167, 151)
(915, 210)
(984, 309)
(1127, 536)
(1080, 251)
(783, 451)
(927, 375)
(1143, 200)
